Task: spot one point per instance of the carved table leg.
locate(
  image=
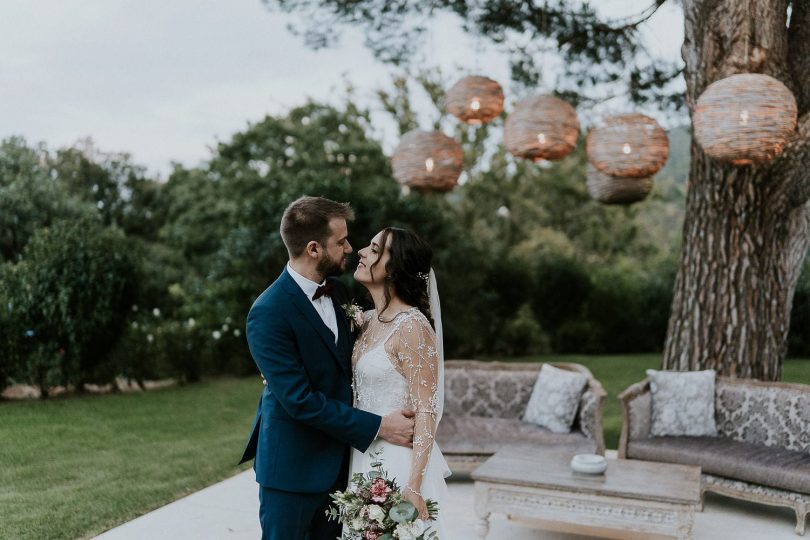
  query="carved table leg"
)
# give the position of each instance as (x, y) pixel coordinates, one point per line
(801, 518)
(481, 510)
(687, 521)
(482, 526)
(685, 533)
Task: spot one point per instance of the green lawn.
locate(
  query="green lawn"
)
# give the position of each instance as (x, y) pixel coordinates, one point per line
(77, 466)
(618, 372)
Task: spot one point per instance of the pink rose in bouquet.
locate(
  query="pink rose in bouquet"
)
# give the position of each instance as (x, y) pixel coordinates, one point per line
(379, 490)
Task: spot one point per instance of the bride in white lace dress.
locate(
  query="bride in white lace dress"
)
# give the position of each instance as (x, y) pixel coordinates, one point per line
(397, 364)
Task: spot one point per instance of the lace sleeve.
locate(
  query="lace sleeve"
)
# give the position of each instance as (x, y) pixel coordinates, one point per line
(417, 360)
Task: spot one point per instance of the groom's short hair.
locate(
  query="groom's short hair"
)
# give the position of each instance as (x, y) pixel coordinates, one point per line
(307, 219)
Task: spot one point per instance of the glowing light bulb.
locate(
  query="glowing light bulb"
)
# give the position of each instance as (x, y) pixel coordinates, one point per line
(541, 138)
(744, 118)
(429, 164)
(475, 104)
(626, 148)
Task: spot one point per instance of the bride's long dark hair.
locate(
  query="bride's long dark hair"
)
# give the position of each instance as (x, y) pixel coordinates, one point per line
(407, 269)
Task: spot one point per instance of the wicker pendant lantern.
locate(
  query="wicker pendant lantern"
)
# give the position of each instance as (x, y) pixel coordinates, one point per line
(609, 189)
(428, 161)
(541, 127)
(631, 145)
(475, 100)
(745, 119)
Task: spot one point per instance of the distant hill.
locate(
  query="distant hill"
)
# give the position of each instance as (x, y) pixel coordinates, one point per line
(677, 167)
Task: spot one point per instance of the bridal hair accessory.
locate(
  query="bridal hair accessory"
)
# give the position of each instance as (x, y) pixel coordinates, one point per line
(423, 276)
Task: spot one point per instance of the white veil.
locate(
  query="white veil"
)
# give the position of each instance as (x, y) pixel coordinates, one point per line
(436, 313)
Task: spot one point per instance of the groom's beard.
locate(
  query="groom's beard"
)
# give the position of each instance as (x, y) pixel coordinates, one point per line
(330, 267)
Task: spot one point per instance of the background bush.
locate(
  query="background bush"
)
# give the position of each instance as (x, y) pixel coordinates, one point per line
(69, 295)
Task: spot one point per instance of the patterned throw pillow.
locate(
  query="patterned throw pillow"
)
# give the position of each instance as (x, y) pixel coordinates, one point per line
(555, 398)
(682, 403)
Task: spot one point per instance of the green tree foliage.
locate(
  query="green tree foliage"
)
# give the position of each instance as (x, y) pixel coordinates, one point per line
(599, 57)
(30, 196)
(12, 348)
(111, 183)
(38, 188)
(69, 296)
(225, 217)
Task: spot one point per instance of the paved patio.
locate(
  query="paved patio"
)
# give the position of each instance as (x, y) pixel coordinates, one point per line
(229, 510)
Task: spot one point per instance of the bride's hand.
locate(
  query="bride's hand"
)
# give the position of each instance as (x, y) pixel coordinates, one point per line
(417, 501)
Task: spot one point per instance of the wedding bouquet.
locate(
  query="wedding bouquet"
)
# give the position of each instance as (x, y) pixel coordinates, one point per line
(373, 508)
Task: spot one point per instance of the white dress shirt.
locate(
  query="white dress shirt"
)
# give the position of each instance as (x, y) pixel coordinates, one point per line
(323, 305)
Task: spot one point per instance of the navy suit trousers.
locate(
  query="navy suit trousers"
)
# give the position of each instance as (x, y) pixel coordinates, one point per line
(300, 516)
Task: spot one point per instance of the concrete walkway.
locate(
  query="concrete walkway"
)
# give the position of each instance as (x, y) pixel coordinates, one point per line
(229, 510)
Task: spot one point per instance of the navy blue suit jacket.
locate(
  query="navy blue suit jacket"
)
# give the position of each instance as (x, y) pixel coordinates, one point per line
(305, 420)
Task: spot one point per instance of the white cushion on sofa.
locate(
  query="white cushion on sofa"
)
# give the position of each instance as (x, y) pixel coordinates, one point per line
(682, 403)
(555, 398)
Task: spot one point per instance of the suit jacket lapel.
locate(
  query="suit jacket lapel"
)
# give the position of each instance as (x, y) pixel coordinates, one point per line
(343, 331)
(305, 306)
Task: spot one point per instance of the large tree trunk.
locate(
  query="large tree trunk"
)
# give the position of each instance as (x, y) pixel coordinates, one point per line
(747, 229)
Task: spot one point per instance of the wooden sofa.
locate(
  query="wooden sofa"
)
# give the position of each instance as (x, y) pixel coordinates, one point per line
(484, 402)
(761, 453)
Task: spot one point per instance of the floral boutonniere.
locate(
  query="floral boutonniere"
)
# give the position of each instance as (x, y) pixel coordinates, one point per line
(355, 315)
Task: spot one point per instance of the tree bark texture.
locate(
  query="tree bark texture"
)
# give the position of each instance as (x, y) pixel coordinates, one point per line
(747, 228)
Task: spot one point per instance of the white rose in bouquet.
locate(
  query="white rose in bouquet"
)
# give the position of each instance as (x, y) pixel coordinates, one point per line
(403, 532)
(410, 531)
(375, 513)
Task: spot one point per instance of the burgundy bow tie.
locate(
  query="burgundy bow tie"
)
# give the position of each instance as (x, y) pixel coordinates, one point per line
(324, 290)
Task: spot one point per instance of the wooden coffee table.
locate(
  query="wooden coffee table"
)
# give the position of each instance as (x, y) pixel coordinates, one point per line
(632, 499)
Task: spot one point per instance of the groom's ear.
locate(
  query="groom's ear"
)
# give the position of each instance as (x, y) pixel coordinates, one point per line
(313, 248)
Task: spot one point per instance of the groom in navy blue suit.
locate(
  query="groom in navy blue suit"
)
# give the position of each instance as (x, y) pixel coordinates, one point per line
(299, 338)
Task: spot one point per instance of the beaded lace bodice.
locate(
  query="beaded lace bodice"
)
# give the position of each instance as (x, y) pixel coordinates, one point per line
(395, 366)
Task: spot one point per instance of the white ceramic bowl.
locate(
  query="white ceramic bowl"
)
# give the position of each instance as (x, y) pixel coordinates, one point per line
(588, 463)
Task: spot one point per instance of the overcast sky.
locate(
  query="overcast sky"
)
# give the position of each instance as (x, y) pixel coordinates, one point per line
(165, 79)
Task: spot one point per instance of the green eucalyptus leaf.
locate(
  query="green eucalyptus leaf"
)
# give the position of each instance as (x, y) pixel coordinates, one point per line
(403, 512)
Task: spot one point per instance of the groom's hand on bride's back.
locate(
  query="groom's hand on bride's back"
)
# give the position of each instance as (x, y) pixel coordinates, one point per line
(397, 428)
